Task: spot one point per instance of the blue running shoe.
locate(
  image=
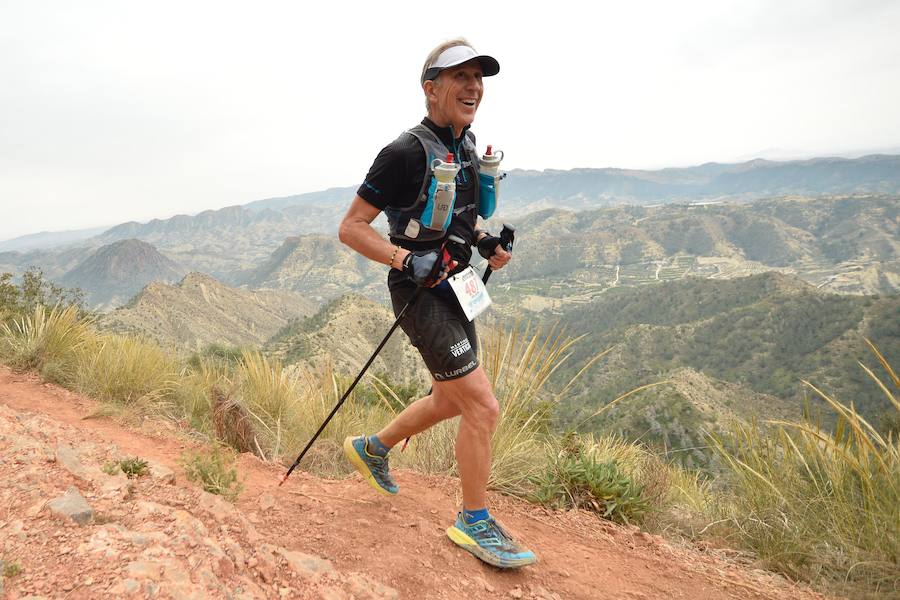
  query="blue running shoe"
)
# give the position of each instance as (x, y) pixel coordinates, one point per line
(374, 469)
(490, 542)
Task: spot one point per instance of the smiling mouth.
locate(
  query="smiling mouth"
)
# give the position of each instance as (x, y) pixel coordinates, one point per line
(470, 103)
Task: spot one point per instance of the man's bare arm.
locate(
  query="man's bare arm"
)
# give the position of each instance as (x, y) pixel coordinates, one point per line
(357, 232)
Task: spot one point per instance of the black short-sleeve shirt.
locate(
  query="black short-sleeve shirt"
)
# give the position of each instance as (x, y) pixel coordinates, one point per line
(395, 179)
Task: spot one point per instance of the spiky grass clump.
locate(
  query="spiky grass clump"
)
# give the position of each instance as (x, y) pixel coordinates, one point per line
(262, 407)
(134, 467)
(519, 363)
(820, 505)
(124, 370)
(46, 341)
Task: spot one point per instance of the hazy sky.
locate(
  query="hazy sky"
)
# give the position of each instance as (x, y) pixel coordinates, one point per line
(116, 111)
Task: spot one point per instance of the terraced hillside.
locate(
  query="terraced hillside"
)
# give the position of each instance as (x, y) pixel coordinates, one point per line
(846, 245)
(321, 268)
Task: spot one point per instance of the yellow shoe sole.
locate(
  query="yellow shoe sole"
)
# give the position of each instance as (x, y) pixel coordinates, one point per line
(360, 465)
(462, 540)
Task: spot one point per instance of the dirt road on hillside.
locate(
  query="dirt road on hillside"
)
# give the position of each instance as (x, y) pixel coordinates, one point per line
(160, 536)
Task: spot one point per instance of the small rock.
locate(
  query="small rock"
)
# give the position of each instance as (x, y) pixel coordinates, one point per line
(72, 505)
(363, 587)
(516, 592)
(143, 569)
(66, 456)
(266, 502)
(161, 472)
(225, 567)
(305, 565)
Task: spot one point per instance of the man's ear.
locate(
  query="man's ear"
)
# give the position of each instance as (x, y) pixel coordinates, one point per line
(428, 86)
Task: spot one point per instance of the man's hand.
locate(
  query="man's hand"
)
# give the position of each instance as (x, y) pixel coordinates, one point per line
(489, 247)
(499, 258)
(428, 268)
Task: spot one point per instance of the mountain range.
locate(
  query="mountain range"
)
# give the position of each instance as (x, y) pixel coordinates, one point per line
(273, 219)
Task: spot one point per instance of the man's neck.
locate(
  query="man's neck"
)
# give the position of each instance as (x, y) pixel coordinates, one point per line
(456, 131)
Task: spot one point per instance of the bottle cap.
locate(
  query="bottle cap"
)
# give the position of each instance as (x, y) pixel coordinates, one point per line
(449, 157)
(488, 153)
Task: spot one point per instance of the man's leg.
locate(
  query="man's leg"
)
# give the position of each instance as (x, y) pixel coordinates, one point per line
(473, 399)
(475, 529)
(417, 417)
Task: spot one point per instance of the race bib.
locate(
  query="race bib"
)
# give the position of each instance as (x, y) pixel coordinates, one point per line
(470, 291)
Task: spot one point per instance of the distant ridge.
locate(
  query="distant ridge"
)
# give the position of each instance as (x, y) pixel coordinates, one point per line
(526, 191)
(48, 239)
(265, 223)
(116, 272)
(590, 188)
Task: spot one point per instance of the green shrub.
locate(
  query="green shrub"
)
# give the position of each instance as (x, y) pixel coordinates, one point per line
(11, 568)
(574, 477)
(214, 470)
(134, 467)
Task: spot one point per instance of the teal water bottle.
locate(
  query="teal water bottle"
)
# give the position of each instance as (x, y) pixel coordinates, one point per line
(489, 181)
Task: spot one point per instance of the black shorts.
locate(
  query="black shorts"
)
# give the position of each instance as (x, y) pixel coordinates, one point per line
(437, 327)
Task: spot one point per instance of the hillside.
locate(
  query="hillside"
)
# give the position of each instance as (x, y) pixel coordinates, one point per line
(347, 330)
(53, 263)
(116, 272)
(764, 333)
(320, 267)
(846, 245)
(677, 418)
(161, 536)
(199, 311)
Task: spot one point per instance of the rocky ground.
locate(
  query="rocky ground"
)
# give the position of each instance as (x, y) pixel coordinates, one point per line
(70, 530)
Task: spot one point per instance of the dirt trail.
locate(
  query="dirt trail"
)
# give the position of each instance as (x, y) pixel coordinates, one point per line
(311, 538)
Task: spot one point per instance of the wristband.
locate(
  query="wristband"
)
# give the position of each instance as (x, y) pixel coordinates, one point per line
(393, 256)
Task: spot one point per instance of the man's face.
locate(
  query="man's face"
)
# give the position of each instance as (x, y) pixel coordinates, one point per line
(455, 95)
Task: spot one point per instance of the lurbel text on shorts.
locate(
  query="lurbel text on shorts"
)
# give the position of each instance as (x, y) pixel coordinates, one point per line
(459, 371)
(460, 347)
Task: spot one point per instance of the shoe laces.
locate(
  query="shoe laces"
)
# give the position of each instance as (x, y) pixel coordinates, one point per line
(378, 464)
(491, 531)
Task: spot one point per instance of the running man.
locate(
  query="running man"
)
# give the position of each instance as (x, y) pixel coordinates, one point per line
(400, 183)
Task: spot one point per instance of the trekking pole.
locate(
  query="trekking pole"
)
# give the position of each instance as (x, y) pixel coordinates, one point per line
(443, 256)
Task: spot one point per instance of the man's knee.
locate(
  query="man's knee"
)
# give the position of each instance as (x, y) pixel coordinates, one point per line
(487, 410)
(473, 396)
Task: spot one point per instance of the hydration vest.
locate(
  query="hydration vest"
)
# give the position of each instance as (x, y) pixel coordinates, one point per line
(407, 223)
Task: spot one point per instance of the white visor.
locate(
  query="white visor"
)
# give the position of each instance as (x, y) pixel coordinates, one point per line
(457, 55)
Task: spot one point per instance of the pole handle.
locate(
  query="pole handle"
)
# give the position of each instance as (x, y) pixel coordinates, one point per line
(507, 238)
